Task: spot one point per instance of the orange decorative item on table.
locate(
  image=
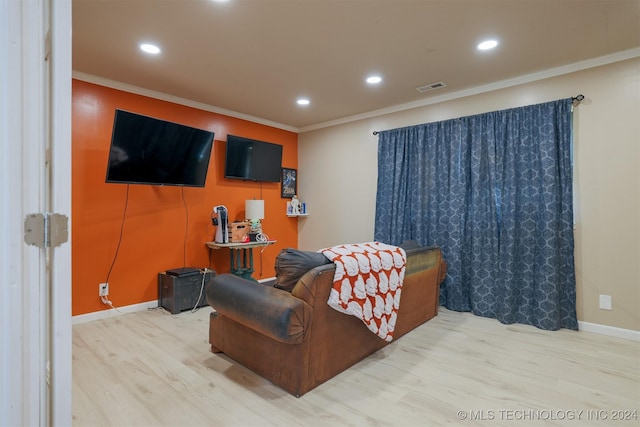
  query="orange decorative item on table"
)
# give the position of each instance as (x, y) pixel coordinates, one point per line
(239, 231)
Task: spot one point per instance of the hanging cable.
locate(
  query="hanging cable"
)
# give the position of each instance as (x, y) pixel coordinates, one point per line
(105, 299)
(186, 230)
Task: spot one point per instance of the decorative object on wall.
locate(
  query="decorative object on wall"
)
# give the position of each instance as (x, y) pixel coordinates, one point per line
(296, 207)
(289, 183)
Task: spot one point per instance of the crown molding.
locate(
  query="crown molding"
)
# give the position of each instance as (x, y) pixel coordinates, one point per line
(516, 81)
(101, 81)
(503, 84)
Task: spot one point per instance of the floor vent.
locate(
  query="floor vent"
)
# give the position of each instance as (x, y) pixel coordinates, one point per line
(432, 86)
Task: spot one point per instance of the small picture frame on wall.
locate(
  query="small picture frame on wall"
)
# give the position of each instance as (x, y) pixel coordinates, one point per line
(289, 183)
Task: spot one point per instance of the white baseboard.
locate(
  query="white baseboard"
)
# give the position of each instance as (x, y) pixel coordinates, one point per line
(628, 334)
(104, 314)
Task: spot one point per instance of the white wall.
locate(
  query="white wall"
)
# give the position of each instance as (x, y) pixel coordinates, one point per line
(338, 174)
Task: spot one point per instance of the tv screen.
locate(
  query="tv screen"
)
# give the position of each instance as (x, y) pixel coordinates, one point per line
(253, 160)
(145, 150)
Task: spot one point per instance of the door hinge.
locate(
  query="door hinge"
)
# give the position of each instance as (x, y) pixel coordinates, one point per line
(46, 230)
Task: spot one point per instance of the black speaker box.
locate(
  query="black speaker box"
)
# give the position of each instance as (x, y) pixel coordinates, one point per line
(177, 293)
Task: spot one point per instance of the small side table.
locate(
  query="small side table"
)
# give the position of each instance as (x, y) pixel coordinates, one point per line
(241, 256)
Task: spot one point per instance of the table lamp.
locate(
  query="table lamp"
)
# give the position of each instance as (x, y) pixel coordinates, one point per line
(254, 211)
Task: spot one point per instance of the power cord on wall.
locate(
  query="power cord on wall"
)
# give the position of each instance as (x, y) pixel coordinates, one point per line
(186, 230)
(105, 300)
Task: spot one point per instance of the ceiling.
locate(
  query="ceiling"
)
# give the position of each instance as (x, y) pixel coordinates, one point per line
(256, 57)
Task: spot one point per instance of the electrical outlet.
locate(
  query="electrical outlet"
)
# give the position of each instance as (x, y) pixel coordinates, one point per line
(605, 302)
(103, 289)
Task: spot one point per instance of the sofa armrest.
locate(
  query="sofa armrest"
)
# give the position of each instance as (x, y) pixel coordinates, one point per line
(263, 308)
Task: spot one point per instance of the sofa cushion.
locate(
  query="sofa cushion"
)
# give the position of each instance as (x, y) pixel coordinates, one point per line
(409, 244)
(292, 264)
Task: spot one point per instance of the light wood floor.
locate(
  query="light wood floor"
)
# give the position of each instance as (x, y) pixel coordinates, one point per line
(155, 369)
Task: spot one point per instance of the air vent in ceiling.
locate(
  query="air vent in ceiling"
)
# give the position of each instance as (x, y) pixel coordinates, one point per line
(432, 86)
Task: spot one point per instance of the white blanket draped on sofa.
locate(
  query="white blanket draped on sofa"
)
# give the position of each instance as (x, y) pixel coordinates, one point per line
(368, 283)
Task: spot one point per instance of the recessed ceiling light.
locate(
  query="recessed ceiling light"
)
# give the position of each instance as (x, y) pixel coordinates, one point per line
(373, 80)
(303, 101)
(487, 44)
(150, 48)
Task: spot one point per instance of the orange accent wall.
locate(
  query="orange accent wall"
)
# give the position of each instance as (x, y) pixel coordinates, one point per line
(158, 233)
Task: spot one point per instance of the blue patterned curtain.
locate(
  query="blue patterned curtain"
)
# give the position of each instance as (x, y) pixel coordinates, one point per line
(494, 191)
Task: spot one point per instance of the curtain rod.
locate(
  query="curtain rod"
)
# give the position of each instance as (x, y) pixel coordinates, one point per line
(576, 100)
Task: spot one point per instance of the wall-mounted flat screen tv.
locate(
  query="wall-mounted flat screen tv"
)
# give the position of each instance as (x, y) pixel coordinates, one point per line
(252, 160)
(146, 150)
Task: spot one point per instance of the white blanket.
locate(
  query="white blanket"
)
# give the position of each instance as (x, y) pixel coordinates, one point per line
(368, 283)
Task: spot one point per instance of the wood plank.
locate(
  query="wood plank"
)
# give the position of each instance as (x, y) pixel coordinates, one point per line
(154, 368)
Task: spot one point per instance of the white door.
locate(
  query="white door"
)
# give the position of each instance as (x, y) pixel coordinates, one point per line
(35, 178)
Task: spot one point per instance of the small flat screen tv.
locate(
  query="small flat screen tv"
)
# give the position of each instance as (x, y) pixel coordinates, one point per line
(253, 160)
(146, 150)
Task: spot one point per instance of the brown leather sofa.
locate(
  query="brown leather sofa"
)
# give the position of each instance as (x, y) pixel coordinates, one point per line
(295, 339)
